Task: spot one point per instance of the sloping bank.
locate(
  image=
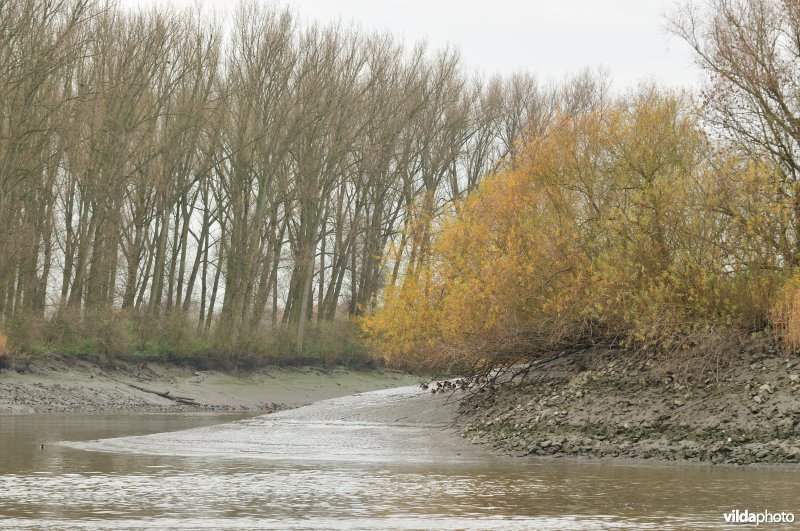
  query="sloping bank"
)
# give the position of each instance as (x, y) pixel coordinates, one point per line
(56, 385)
(733, 408)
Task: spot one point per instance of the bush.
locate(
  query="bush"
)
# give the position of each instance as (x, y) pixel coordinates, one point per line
(174, 337)
(326, 343)
(620, 226)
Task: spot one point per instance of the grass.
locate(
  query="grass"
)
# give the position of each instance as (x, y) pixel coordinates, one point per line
(106, 337)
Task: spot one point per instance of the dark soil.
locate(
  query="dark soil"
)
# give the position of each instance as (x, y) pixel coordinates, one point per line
(742, 407)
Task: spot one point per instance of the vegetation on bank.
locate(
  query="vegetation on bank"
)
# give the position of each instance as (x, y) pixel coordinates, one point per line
(254, 193)
(650, 220)
(173, 186)
(124, 336)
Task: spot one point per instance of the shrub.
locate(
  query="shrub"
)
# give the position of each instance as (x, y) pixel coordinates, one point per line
(620, 225)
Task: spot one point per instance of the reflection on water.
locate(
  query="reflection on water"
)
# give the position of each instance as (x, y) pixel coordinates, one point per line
(21, 438)
(352, 463)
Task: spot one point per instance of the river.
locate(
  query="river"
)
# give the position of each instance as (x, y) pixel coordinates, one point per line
(385, 459)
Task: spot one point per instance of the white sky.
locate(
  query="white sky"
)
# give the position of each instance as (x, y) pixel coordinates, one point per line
(551, 38)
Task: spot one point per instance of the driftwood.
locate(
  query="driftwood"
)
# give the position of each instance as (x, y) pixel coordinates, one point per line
(180, 399)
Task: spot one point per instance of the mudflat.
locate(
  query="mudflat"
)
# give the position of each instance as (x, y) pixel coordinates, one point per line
(74, 386)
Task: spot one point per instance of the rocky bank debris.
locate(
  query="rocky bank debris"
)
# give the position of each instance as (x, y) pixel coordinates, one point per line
(616, 403)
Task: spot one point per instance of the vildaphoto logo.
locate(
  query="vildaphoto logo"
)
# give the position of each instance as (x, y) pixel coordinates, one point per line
(764, 517)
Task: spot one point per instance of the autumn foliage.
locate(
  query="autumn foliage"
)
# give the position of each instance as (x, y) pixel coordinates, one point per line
(623, 224)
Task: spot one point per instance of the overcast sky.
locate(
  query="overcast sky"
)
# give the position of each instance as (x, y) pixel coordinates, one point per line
(551, 38)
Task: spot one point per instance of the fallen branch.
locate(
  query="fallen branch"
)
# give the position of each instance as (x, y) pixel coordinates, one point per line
(180, 399)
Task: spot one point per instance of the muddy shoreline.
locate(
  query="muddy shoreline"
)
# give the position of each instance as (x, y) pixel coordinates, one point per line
(602, 403)
(63, 385)
(598, 403)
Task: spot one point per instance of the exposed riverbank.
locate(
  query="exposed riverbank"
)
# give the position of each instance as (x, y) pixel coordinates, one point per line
(743, 408)
(55, 385)
(738, 408)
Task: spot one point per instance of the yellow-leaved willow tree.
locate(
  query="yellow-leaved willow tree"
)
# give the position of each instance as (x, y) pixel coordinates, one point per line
(620, 224)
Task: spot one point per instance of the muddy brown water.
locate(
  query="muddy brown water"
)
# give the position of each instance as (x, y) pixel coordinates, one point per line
(370, 461)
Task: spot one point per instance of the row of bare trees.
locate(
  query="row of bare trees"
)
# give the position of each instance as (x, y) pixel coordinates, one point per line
(240, 173)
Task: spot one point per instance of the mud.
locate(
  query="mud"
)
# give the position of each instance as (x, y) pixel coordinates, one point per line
(72, 386)
(603, 403)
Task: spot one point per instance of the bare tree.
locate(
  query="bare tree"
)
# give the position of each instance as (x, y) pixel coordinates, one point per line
(260, 175)
(750, 50)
